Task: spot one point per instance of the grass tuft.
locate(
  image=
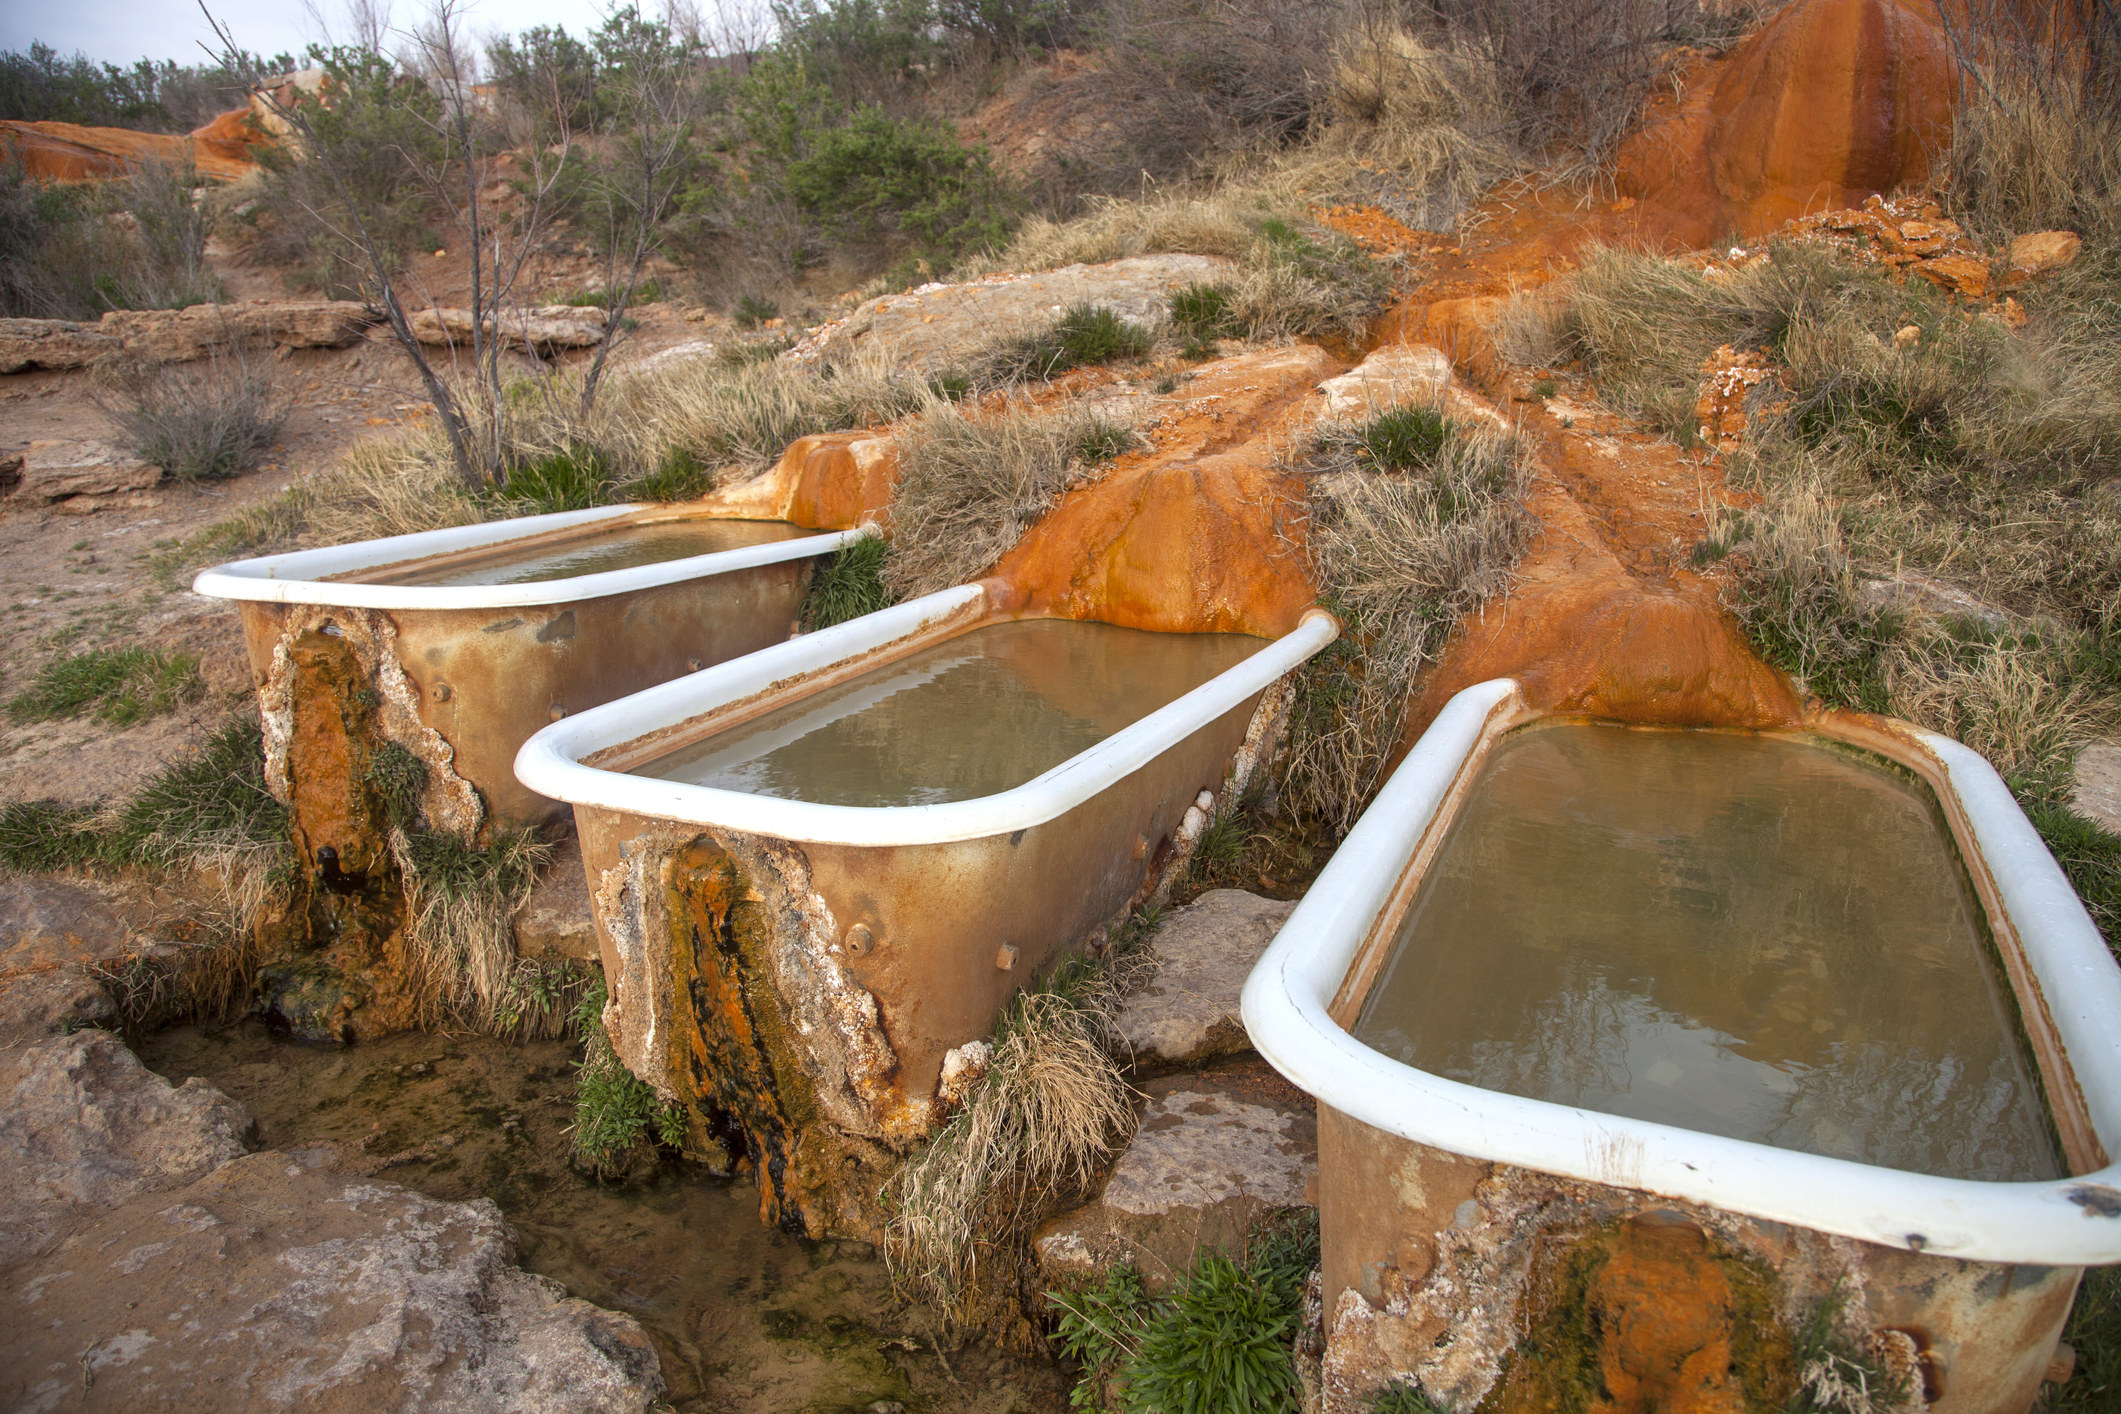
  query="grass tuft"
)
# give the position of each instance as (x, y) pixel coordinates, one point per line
(1084, 335)
(202, 421)
(679, 476)
(616, 1114)
(572, 478)
(847, 585)
(120, 686)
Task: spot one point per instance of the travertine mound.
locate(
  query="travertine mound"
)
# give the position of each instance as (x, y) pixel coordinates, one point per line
(1828, 102)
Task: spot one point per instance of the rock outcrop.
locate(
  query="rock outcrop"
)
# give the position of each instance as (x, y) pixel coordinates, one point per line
(1185, 1011)
(177, 335)
(937, 325)
(1217, 1152)
(53, 932)
(552, 326)
(56, 470)
(151, 1263)
(70, 152)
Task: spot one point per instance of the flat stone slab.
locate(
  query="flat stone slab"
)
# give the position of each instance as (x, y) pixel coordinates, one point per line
(152, 1264)
(555, 326)
(1217, 1152)
(1389, 377)
(52, 931)
(54, 470)
(1187, 1010)
(937, 325)
(2096, 793)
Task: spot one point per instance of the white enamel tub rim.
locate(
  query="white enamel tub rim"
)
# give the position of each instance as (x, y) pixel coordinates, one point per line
(551, 761)
(301, 576)
(2066, 1222)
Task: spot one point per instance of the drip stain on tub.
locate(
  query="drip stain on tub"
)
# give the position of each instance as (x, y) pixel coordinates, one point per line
(594, 551)
(1737, 934)
(976, 715)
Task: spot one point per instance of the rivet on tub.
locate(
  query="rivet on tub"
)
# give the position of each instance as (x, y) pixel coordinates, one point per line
(441, 692)
(693, 665)
(1141, 846)
(860, 940)
(556, 712)
(1005, 957)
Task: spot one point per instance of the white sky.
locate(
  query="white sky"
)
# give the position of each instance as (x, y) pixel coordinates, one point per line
(120, 31)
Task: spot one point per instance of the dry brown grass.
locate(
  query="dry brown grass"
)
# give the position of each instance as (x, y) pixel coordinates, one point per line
(1406, 544)
(970, 485)
(1044, 1115)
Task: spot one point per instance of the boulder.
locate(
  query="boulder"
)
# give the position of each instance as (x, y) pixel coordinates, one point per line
(85, 1127)
(52, 931)
(2041, 251)
(558, 922)
(937, 325)
(556, 326)
(176, 335)
(1389, 376)
(1217, 1152)
(52, 343)
(1957, 274)
(2096, 790)
(54, 470)
(155, 1265)
(1186, 1011)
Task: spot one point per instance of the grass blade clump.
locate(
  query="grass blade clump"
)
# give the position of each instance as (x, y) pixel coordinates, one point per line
(1415, 521)
(848, 584)
(615, 1111)
(969, 487)
(120, 686)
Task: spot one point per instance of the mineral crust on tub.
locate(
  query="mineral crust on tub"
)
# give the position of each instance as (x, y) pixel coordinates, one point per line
(821, 871)
(1697, 1032)
(458, 644)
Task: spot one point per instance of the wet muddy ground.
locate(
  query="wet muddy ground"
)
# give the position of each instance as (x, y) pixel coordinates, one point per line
(748, 1320)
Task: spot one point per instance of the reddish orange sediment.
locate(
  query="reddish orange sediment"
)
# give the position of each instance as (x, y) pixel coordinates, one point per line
(70, 152)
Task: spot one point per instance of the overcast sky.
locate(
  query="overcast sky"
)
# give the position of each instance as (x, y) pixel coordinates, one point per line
(120, 31)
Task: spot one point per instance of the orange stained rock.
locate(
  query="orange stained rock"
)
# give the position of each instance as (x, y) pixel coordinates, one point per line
(1200, 535)
(1375, 229)
(1663, 1309)
(825, 481)
(69, 152)
(1829, 101)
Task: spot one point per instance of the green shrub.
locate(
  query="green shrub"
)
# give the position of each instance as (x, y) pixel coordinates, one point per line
(849, 584)
(903, 187)
(1084, 335)
(753, 310)
(1403, 439)
(647, 292)
(121, 685)
(203, 421)
(64, 254)
(1202, 311)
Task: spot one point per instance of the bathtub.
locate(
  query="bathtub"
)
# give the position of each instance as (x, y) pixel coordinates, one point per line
(463, 673)
(1422, 1177)
(863, 952)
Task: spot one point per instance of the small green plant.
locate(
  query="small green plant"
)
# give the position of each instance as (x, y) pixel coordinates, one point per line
(1545, 388)
(751, 311)
(1403, 439)
(614, 1110)
(572, 479)
(1084, 335)
(950, 386)
(848, 585)
(1834, 1375)
(1102, 442)
(647, 292)
(1202, 312)
(120, 685)
(679, 476)
(2091, 855)
(1404, 1398)
(1220, 1342)
(2094, 1332)
(399, 777)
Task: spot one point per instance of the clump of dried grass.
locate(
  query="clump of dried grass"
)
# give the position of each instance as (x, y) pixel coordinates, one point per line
(1411, 528)
(970, 485)
(1043, 1116)
(460, 905)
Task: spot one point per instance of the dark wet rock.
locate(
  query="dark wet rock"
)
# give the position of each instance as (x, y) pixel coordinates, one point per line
(1186, 1011)
(309, 999)
(1218, 1151)
(152, 1264)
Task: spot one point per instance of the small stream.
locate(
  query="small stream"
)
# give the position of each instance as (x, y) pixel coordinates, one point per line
(748, 1320)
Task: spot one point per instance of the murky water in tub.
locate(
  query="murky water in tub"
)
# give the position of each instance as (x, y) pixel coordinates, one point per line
(1747, 936)
(624, 548)
(983, 712)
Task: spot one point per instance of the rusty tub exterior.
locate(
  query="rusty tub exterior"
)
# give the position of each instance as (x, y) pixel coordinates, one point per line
(815, 984)
(1458, 1221)
(461, 676)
